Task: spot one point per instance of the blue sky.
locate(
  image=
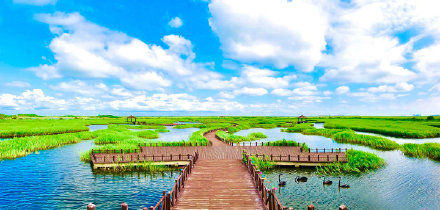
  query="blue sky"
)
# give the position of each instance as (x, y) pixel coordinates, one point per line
(240, 57)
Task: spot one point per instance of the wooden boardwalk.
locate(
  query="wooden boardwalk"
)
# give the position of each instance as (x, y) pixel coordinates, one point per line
(219, 184)
(219, 179)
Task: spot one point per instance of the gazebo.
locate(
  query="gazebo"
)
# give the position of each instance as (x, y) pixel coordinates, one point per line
(302, 119)
(130, 118)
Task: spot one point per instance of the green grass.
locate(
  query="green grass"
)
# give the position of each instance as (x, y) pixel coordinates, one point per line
(427, 150)
(19, 147)
(162, 130)
(147, 134)
(346, 136)
(358, 162)
(285, 142)
(396, 128)
(262, 164)
(236, 138)
(146, 166)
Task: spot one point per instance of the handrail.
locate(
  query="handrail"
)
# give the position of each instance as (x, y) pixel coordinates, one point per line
(305, 157)
(169, 199)
(268, 196)
(135, 157)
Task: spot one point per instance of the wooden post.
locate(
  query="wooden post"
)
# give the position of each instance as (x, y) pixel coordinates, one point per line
(311, 207)
(309, 158)
(91, 206)
(343, 207)
(337, 158)
(288, 157)
(168, 201)
(124, 206)
(271, 157)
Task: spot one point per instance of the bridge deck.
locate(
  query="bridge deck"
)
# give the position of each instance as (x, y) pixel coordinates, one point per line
(219, 184)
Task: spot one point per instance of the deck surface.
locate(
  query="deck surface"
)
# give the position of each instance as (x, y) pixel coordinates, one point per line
(219, 184)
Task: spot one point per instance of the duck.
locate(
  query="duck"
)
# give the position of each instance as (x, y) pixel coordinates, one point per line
(281, 183)
(344, 185)
(301, 179)
(328, 182)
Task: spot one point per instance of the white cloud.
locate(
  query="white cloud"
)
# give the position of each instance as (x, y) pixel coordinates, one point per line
(81, 87)
(342, 90)
(35, 2)
(428, 63)
(18, 84)
(250, 91)
(399, 87)
(82, 48)
(31, 100)
(277, 32)
(304, 92)
(175, 22)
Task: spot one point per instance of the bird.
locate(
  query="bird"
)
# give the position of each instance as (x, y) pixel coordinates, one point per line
(301, 179)
(328, 182)
(344, 185)
(281, 183)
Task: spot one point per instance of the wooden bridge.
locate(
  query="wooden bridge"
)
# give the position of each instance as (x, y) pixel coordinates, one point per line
(214, 176)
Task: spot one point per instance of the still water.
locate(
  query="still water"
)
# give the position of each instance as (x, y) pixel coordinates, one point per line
(57, 179)
(174, 134)
(404, 183)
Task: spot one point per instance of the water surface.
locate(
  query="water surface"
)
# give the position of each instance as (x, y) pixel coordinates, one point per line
(404, 183)
(56, 179)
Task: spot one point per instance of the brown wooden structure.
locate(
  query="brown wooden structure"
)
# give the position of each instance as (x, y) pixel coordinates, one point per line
(302, 119)
(130, 119)
(219, 180)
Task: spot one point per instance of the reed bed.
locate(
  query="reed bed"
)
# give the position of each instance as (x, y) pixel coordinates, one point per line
(427, 150)
(236, 138)
(285, 142)
(357, 162)
(20, 147)
(396, 128)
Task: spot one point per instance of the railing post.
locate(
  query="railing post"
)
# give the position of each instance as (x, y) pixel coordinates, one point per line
(309, 158)
(168, 201)
(91, 206)
(337, 158)
(124, 206)
(288, 157)
(271, 157)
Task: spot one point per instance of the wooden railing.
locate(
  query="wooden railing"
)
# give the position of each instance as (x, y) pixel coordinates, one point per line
(169, 199)
(135, 157)
(304, 158)
(327, 150)
(268, 196)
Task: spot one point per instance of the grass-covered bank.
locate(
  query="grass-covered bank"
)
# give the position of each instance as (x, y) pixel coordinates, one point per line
(346, 136)
(427, 150)
(395, 128)
(357, 162)
(236, 138)
(146, 166)
(19, 147)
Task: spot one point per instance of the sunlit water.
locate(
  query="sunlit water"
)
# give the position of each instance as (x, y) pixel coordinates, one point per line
(97, 127)
(174, 134)
(57, 179)
(404, 183)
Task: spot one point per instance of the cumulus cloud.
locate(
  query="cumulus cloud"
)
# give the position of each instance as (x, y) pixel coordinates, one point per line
(250, 91)
(82, 48)
(81, 87)
(175, 22)
(31, 100)
(342, 90)
(303, 91)
(277, 32)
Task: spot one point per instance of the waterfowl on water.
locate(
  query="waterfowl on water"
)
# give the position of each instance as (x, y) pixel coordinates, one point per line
(328, 182)
(301, 179)
(281, 183)
(344, 185)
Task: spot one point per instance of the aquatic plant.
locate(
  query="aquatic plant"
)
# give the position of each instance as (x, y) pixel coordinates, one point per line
(261, 163)
(285, 142)
(426, 150)
(236, 138)
(357, 162)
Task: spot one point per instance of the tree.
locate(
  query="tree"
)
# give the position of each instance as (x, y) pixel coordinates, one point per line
(430, 118)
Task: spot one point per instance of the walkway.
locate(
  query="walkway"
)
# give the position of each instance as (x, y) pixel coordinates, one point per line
(219, 184)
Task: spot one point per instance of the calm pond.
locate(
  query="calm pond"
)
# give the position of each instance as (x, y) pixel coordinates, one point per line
(174, 134)
(57, 179)
(404, 183)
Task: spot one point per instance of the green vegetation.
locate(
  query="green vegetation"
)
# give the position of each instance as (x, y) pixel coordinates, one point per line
(162, 130)
(182, 126)
(19, 147)
(146, 166)
(358, 162)
(261, 163)
(235, 138)
(427, 150)
(396, 128)
(147, 134)
(285, 142)
(346, 136)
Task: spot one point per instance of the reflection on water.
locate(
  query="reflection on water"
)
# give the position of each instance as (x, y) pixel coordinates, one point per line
(56, 179)
(174, 134)
(97, 127)
(404, 183)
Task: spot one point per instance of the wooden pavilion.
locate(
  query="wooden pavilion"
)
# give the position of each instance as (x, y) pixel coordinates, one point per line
(130, 118)
(302, 119)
